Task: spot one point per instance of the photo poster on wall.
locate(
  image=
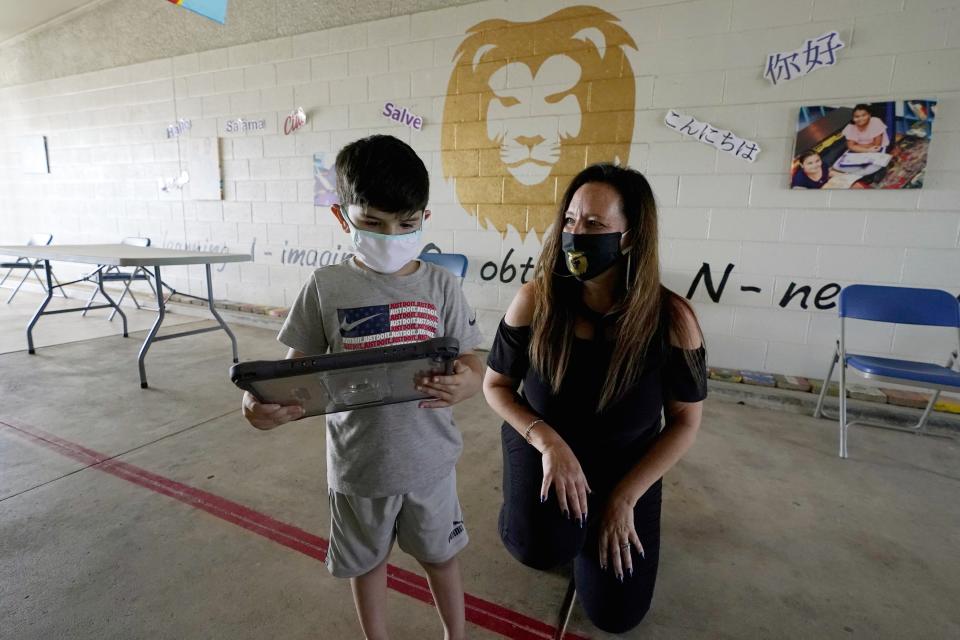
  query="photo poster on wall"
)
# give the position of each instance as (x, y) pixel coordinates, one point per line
(324, 179)
(203, 166)
(33, 154)
(877, 145)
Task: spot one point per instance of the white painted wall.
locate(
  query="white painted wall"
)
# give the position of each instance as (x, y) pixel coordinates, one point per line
(108, 145)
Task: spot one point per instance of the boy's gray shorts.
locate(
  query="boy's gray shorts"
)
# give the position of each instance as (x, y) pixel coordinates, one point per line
(427, 523)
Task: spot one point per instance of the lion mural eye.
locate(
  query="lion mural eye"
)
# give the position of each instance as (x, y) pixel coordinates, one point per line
(517, 126)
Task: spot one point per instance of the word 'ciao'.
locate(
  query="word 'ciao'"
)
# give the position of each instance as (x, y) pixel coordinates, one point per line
(294, 121)
(401, 115)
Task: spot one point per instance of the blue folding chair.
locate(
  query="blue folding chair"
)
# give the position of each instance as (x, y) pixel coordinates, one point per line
(900, 305)
(456, 263)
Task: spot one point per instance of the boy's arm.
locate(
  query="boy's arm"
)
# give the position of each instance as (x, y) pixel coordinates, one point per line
(270, 416)
(462, 384)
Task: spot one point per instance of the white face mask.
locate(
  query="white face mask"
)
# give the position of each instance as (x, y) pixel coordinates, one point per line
(379, 251)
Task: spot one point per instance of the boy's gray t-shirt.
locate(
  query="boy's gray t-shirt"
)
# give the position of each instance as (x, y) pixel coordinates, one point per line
(396, 448)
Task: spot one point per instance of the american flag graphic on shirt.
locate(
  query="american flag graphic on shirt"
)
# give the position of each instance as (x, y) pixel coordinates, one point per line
(387, 324)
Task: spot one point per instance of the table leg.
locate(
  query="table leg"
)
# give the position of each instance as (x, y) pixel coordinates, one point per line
(223, 325)
(161, 309)
(39, 311)
(116, 307)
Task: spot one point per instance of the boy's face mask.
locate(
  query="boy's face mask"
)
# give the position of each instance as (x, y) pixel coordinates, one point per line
(589, 254)
(382, 252)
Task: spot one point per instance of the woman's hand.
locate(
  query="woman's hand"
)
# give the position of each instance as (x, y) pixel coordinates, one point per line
(617, 535)
(562, 470)
(268, 416)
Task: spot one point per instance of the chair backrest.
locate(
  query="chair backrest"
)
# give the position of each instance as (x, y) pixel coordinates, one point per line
(902, 305)
(456, 263)
(136, 242)
(40, 240)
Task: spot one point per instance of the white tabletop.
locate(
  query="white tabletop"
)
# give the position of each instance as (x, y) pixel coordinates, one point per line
(121, 255)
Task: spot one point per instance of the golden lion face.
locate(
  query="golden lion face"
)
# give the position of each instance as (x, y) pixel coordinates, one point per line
(530, 104)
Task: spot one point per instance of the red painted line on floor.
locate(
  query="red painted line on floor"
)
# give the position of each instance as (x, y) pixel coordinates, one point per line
(483, 613)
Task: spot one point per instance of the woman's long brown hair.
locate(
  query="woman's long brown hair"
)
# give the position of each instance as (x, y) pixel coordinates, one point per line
(639, 297)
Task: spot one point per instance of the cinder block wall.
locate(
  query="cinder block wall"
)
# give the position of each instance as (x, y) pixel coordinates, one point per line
(107, 138)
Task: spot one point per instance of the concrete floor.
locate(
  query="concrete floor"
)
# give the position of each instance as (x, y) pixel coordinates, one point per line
(767, 534)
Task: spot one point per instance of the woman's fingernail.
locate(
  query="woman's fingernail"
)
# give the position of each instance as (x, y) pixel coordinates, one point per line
(620, 577)
(543, 499)
(630, 573)
(581, 523)
(641, 554)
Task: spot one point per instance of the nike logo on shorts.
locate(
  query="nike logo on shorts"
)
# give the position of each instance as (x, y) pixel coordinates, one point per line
(346, 327)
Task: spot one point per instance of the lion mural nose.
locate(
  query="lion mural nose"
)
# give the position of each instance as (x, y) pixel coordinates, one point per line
(529, 141)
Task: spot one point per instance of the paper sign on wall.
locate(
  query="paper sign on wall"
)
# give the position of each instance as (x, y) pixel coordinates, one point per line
(294, 121)
(33, 154)
(815, 53)
(203, 161)
(402, 115)
(178, 128)
(167, 185)
(324, 179)
(709, 134)
(240, 125)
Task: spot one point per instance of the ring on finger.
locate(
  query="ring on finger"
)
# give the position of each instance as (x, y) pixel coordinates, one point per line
(625, 545)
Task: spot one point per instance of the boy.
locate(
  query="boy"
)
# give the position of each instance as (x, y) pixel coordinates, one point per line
(390, 469)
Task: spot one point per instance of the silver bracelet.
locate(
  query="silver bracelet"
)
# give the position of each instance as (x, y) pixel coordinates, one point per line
(526, 434)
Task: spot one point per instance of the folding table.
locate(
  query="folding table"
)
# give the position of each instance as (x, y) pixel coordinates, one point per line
(120, 255)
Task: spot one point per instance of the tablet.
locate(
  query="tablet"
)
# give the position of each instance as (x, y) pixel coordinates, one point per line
(349, 380)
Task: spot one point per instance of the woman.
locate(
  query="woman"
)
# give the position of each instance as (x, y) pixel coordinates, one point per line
(810, 174)
(865, 132)
(601, 348)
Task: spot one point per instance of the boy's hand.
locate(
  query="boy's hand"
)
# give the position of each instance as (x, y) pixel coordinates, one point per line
(268, 416)
(449, 390)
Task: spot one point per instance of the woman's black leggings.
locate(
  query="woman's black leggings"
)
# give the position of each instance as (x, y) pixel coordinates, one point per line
(540, 537)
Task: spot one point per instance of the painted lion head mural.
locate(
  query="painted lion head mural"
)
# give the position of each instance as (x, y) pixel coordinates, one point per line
(528, 105)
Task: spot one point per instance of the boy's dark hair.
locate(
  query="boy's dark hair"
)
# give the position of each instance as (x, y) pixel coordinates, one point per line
(384, 173)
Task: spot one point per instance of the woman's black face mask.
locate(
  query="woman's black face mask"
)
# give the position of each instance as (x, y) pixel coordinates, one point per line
(590, 254)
